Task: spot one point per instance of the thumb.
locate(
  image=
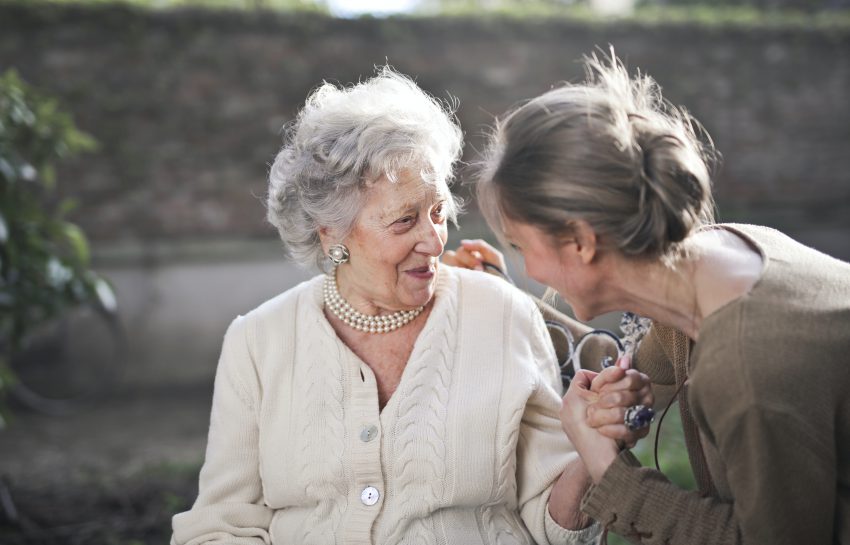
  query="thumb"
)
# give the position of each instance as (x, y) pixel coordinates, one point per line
(581, 382)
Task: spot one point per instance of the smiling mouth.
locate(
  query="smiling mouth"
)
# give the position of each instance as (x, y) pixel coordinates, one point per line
(425, 269)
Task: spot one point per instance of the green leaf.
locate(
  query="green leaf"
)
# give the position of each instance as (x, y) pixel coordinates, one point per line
(77, 241)
(66, 207)
(45, 259)
(48, 176)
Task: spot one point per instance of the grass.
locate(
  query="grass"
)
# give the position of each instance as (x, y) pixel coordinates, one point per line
(98, 510)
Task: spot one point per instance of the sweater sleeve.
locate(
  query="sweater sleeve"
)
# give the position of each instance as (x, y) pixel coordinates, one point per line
(642, 505)
(229, 508)
(543, 450)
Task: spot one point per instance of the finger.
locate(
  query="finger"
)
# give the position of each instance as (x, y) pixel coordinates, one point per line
(598, 417)
(608, 376)
(647, 398)
(625, 362)
(620, 398)
(449, 258)
(631, 380)
(583, 379)
(580, 386)
(467, 260)
(488, 252)
(619, 432)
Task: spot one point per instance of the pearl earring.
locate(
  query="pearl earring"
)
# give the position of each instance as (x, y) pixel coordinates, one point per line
(338, 254)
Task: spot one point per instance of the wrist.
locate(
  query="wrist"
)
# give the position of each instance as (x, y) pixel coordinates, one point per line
(598, 462)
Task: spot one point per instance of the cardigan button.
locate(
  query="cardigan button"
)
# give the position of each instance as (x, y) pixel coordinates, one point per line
(368, 433)
(370, 495)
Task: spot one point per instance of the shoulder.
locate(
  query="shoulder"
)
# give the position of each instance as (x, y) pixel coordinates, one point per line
(286, 304)
(273, 322)
(497, 311)
(491, 292)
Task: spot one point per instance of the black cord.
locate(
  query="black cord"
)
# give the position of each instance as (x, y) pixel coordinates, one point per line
(660, 420)
(497, 269)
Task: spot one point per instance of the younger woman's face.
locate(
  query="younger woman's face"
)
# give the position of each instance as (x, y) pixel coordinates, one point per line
(557, 264)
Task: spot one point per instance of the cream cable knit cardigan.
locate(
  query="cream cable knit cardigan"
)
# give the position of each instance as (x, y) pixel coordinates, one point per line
(465, 452)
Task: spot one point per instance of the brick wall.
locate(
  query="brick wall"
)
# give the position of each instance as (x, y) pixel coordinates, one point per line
(188, 105)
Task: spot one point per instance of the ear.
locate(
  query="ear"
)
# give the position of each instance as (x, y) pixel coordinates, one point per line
(585, 240)
(326, 237)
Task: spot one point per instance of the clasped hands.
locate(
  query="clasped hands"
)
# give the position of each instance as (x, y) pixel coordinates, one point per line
(593, 412)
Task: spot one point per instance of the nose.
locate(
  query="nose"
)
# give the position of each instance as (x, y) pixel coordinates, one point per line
(432, 238)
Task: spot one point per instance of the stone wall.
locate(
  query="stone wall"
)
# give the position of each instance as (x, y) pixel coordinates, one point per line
(188, 105)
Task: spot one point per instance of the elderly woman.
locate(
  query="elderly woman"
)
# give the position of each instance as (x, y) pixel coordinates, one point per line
(605, 190)
(391, 400)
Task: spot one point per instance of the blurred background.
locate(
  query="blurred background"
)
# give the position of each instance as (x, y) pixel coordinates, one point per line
(183, 103)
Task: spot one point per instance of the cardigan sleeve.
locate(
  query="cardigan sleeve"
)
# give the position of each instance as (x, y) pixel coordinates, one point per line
(543, 449)
(230, 508)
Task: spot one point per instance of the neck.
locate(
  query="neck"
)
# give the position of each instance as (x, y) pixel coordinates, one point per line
(351, 292)
(668, 295)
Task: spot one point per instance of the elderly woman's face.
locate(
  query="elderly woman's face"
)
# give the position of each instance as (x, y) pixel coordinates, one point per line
(396, 243)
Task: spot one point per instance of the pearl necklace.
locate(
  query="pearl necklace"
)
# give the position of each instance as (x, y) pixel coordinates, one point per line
(356, 319)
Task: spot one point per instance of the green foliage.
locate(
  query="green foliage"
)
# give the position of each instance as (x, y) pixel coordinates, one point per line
(279, 5)
(725, 13)
(44, 259)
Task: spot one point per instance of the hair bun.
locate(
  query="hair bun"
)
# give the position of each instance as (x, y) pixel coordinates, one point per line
(673, 184)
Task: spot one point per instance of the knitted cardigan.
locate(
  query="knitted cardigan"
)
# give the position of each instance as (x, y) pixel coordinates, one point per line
(465, 452)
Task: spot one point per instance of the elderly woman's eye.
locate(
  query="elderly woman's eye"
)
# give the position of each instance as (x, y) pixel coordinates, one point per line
(440, 211)
(403, 224)
(516, 248)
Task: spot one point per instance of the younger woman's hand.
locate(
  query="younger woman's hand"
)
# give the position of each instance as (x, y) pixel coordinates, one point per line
(618, 388)
(471, 254)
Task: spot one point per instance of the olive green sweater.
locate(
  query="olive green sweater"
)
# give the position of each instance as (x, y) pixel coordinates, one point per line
(769, 391)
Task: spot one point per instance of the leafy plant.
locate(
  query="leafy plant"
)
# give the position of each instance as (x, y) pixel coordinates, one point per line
(44, 258)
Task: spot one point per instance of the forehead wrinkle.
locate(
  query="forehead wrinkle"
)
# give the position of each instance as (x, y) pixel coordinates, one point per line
(424, 193)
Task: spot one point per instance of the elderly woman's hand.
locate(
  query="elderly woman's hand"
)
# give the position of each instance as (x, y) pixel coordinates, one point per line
(617, 388)
(471, 254)
(596, 450)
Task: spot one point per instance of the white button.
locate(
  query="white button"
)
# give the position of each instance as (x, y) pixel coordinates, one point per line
(368, 433)
(370, 495)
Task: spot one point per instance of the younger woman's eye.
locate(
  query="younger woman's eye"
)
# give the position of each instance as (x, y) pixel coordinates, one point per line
(516, 248)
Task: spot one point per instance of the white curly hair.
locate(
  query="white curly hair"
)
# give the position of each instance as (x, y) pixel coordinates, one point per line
(345, 138)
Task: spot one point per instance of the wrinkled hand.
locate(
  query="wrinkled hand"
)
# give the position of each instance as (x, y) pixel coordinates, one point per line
(596, 450)
(472, 253)
(617, 388)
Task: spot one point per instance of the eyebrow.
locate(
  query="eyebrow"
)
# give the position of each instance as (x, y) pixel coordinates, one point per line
(437, 196)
